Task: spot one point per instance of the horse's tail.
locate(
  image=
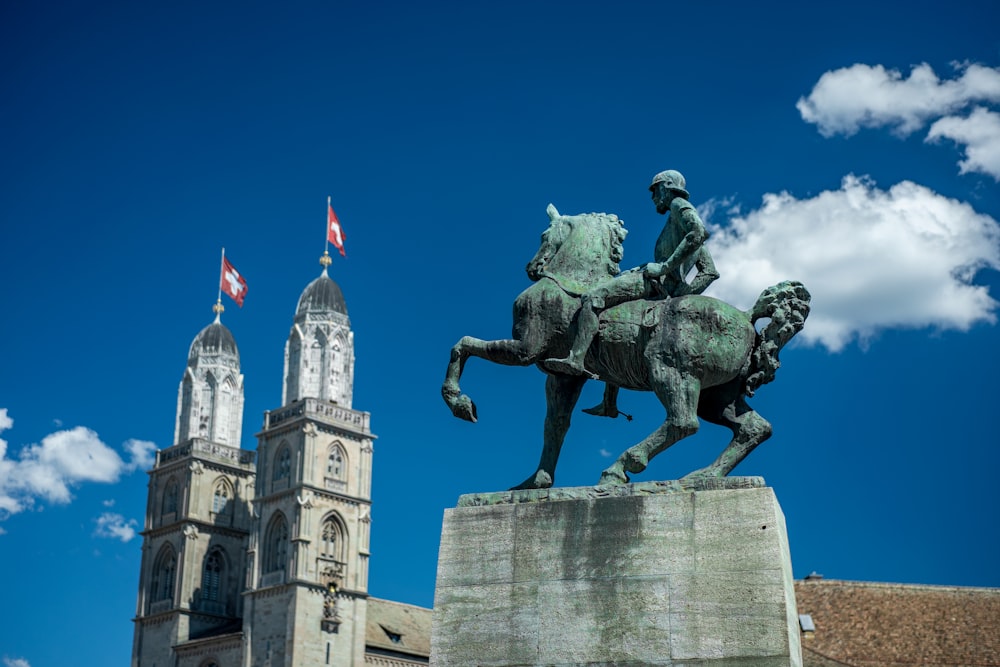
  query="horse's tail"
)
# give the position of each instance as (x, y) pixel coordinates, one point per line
(787, 304)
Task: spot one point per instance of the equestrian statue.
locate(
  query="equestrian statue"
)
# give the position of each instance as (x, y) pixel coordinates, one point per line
(645, 329)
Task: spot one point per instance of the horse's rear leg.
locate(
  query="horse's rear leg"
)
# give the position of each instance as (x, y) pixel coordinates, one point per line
(727, 407)
(561, 394)
(679, 395)
(507, 352)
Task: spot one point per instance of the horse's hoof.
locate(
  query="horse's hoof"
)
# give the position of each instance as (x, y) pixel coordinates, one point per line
(634, 461)
(612, 478)
(463, 408)
(540, 480)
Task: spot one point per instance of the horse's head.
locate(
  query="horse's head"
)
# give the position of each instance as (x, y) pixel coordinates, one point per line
(585, 247)
(552, 239)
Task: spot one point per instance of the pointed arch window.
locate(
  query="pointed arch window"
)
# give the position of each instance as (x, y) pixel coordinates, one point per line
(184, 420)
(164, 574)
(207, 407)
(222, 498)
(331, 539)
(276, 544)
(224, 411)
(170, 493)
(212, 578)
(283, 463)
(335, 467)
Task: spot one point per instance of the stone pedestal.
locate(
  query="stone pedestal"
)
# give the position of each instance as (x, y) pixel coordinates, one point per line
(644, 574)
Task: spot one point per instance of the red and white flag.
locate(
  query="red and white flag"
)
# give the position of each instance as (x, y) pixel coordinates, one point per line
(334, 232)
(232, 283)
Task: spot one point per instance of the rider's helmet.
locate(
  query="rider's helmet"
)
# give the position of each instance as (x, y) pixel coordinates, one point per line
(673, 180)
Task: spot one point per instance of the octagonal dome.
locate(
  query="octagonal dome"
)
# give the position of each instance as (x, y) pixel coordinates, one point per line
(216, 338)
(322, 295)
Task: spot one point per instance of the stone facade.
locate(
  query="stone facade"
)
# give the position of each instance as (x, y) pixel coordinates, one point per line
(261, 558)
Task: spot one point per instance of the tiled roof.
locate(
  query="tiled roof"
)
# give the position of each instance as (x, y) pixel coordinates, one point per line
(863, 624)
(389, 620)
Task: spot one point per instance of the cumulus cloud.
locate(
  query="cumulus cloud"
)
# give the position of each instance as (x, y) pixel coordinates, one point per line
(15, 662)
(980, 133)
(872, 259)
(142, 454)
(62, 460)
(847, 99)
(850, 98)
(115, 526)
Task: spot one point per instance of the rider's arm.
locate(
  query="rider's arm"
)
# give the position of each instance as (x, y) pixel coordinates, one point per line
(707, 273)
(693, 240)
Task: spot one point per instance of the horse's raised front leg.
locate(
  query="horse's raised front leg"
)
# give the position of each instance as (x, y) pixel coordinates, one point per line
(506, 352)
(679, 395)
(561, 394)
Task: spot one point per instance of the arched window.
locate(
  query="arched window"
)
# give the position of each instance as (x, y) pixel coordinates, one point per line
(331, 539)
(170, 497)
(222, 497)
(335, 462)
(164, 573)
(207, 407)
(223, 412)
(184, 421)
(276, 544)
(283, 463)
(211, 662)
(212, 577)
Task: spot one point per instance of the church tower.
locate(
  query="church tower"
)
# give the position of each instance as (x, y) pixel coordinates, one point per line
(307, 583)
(198, 510)
(319, 354)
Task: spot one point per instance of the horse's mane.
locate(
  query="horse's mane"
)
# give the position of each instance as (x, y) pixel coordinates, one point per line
(616, 235)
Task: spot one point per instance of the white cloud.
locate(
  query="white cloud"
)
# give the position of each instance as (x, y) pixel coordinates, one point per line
(15, 662)
(115, 526)
(980, 133)
(847, 99)
(108, 503)
(872, 259)
(62, 460)
(605, 453)
(142, 454)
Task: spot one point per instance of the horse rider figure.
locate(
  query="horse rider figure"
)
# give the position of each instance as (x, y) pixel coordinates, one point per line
(680, 246)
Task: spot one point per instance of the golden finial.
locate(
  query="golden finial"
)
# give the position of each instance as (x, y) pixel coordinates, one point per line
(326, 260)
(218, 308)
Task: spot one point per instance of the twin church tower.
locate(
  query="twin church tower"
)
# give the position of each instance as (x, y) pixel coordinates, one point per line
(260, 559)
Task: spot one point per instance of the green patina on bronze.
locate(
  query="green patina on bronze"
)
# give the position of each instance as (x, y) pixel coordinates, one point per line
(646, 329)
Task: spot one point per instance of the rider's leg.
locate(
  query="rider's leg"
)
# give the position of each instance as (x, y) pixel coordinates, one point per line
(587, 324)
(627, 286)
(609, 406)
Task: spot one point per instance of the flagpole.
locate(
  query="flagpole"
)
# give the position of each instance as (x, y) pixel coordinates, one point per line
(218, 307)
(325, 260)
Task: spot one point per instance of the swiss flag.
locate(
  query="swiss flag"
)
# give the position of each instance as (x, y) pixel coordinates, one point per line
(233, 283)
(334, 232)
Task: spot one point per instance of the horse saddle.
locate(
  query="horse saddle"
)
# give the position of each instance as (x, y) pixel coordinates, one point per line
(622, 323)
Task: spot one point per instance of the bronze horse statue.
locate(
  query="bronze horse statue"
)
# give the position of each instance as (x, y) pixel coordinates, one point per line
(699, 355)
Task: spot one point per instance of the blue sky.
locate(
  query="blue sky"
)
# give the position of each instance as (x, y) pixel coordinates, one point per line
(852, 146)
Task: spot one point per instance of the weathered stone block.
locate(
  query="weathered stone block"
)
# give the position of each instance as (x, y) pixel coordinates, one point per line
(643, 576)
